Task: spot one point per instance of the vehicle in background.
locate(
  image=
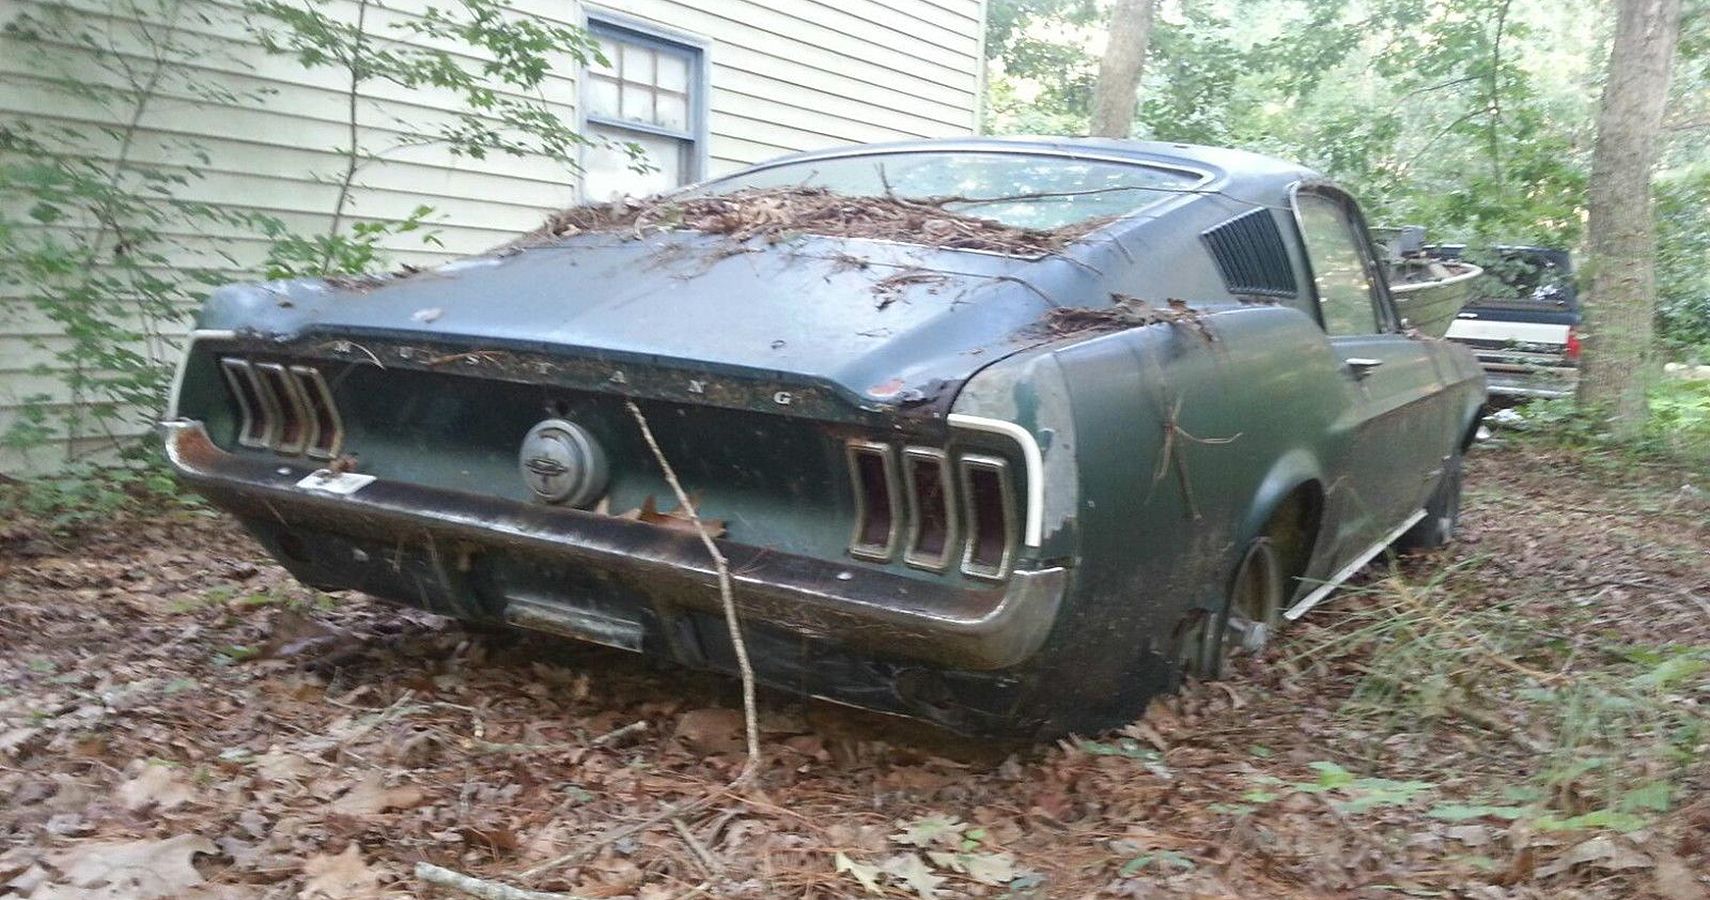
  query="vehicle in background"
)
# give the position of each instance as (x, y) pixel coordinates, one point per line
(1521, 319)
(1428, 290)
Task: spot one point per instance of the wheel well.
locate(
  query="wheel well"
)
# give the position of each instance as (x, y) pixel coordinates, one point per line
(1470, 434)
(1293, 529)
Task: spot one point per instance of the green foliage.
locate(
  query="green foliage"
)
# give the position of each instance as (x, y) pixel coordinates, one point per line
(1473, 119)
(497, 107)
(100, 229)
(1613, 734)
(85, 495)
(361, 249)
(1683, 259)
(1678, 426)
(1046, 82)
(92, 237)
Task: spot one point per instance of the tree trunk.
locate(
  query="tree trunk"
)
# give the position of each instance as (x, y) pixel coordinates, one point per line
(1119, 71)
(1619, 312)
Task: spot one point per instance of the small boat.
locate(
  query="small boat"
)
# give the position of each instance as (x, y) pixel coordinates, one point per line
(1429, 292)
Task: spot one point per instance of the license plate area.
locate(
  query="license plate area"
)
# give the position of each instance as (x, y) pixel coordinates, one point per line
(556, 617)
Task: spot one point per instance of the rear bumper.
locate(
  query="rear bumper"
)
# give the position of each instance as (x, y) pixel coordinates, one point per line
(1546, 382)
(669, 571)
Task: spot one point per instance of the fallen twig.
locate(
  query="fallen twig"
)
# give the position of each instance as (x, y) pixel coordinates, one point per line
(618, 734)
(750, 715)
(617, 834)
(696, 847)
(726, 595)
(480, 887)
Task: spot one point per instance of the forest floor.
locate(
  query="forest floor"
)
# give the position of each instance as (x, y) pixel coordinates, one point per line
(1521, 715)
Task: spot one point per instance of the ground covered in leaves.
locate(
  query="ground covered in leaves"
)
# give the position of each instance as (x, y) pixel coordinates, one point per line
(1520, 716)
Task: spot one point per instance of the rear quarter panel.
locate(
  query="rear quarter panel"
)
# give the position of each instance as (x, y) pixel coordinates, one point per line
(1166, 447)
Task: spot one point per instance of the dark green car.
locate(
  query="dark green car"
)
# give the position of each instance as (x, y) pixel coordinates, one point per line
(1003, 434)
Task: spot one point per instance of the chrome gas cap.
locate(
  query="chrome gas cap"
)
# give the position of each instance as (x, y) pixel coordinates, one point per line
(562, 463)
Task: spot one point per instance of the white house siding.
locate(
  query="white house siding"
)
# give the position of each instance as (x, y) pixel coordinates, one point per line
(783, 76)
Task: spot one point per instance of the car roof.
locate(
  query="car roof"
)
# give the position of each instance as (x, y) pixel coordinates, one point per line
(1238, 173)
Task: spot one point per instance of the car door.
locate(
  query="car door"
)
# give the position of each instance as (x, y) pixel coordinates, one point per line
(1389, 424)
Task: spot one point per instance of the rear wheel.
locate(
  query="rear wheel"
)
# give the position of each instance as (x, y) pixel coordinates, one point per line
(1442, 511)
(1252, 611)
(1256, 597)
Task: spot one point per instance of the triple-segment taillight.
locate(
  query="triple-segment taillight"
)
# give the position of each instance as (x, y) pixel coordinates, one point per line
(933, 509)
(284, 408)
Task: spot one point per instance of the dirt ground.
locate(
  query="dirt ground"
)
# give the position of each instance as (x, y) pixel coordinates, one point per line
(1521, 715)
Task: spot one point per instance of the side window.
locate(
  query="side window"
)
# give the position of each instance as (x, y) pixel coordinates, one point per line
(1346, 296)
(646, 96)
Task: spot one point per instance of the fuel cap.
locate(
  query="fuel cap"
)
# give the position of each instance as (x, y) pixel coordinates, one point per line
(562, 463)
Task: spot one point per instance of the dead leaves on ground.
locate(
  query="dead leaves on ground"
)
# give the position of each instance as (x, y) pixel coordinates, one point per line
(347, 741)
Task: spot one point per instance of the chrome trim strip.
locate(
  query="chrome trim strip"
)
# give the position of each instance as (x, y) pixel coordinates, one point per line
(1335, 581)
(1205, 177)
(299, 408)
(205, 334)
(929, 456)
(1006, 498)
(314, 386)
(1034, 533)
(893, 491)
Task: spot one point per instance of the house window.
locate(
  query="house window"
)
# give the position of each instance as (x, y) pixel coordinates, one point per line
(646, 95)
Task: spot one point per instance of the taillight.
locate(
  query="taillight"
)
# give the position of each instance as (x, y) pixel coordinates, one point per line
(295, 423)
(288, 410)
(328, 436)
(873, 471)
(1573, 345)
(940, 507)
(988, 502)
(932, 511)
(256, 416)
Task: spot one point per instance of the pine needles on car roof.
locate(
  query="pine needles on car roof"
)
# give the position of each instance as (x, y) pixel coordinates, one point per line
(775, 214)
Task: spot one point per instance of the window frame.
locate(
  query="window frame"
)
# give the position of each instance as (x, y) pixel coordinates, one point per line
(1388, 322)
(599, 22)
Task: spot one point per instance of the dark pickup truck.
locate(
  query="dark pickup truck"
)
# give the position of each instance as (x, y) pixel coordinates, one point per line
(1521, 320)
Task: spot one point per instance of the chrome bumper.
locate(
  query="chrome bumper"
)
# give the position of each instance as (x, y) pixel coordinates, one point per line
(1543, 383)
(878, 611)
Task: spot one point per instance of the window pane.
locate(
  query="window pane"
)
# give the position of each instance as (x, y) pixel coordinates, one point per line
(609, 49)
(602, 94)
(608, 172)
(673, 111)
(637, 64)
(637, 103)
(673, 72)
(1031, 191)
(1338, 267)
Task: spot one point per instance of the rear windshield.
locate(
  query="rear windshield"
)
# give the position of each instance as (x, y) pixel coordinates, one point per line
(1019, 189)
(1521, 280)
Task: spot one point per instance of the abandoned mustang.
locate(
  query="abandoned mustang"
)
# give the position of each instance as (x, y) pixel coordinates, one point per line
(1003, 434)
